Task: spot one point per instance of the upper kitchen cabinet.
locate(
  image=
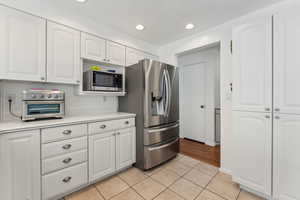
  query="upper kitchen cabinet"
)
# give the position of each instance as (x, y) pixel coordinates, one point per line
(133, 56)
(22, 46)
(287, 60)
(93, 48)
(115, 53)
(63, 54)
(252, 66)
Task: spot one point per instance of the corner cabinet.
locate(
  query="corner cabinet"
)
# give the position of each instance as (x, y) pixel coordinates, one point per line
(20, 166)
(22, 46)
(253, 150)
(63, 54)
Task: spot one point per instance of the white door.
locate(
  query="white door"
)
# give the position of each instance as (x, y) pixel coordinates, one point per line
(192, 101)
(287, 60)
(102, 155)
(252, 161)
(92, 47)
(23, 46)
(286, 157)
(133, 56)
(252, 66)
(20, 166)
(63, 54)
(115, 53)
(125, 147)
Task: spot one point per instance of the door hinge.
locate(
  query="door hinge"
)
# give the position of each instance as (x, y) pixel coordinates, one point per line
(231, 48)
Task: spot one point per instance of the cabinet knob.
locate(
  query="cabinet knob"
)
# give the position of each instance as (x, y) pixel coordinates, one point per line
(67, 132)
(67, 146)
(67, 179)
(67, 160)
(78, 81)
(267, 109)
(127, 122)
(267, 116)
(103, 126)
(118, 133)
(42, 78)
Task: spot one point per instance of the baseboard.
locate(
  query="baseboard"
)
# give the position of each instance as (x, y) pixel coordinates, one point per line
(225, 171)
(211, 143)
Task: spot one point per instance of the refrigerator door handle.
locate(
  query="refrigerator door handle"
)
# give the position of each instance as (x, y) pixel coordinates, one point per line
(163, 129)
(168, 93)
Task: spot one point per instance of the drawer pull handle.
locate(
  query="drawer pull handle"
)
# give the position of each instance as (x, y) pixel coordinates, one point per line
(67, 132)
(127, 122)
(67, 179)
(67, 146)
(67, 160)
(103, 126)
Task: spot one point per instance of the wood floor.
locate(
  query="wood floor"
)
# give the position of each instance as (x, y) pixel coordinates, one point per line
(200, 151)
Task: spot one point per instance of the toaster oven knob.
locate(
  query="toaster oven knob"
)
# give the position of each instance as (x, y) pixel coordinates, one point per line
(56, 96)
(42, 96)
(33, 96)
(49, 96)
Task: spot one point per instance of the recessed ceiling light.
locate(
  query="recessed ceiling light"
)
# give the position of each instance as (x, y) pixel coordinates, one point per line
(81, 1)
(140, 27)
(189, 26)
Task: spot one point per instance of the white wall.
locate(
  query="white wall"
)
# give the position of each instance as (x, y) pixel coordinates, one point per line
(53, 12)
(168, 53)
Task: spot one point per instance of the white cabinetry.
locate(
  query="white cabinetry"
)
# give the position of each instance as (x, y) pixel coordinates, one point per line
(253, 155)
(63, 54)
(125, 148)
(287, 61)
(286, 157)
(115, 53)
(22, 46)
(113, 150)
(20, 166)
(102, 151)
(133, 56)
(93, 48)
(252, 66)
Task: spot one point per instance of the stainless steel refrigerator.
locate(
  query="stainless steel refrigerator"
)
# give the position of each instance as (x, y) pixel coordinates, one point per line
(153, 94)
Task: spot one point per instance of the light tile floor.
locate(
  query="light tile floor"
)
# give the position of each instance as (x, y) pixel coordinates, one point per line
(183, 178)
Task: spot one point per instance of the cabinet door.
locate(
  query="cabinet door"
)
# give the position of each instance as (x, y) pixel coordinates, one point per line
(252, 66)
(92, 47)
(20, 166)
(286, 157)
(23, 46)
(102, 155)
(125, 148)
(253, 150)
(287, 60)
(63, 54)
(133, 56)
(115, 53)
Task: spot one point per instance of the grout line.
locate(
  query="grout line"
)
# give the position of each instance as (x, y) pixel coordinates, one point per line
(99, 191)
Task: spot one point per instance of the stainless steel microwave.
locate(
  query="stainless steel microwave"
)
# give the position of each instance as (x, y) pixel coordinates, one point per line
(102, 81)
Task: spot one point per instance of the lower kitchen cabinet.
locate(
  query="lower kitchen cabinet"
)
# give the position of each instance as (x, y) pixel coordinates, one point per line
(125, 148)
(286, 162)
(253, 151)
(102, 150)
(20, 166)
(111, 151)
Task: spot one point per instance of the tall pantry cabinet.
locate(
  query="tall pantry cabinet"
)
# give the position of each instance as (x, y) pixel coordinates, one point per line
(267, 121)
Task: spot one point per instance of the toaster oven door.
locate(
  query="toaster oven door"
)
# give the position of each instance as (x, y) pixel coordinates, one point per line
(42, 109)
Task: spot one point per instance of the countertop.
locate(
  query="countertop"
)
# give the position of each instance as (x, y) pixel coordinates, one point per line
(18, 125)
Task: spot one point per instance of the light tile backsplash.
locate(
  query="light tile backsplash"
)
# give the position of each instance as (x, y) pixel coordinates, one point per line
(74, 105)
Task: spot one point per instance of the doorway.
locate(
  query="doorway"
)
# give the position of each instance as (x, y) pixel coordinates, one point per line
(199, 89)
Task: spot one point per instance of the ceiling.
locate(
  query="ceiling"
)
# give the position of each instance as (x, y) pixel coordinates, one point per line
(164, 20)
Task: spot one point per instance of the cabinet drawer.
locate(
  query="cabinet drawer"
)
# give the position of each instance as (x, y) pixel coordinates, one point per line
(63, 132)
(62, 147)
(125, 123)
(63, 161)
(99, 127)
(65, 180)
